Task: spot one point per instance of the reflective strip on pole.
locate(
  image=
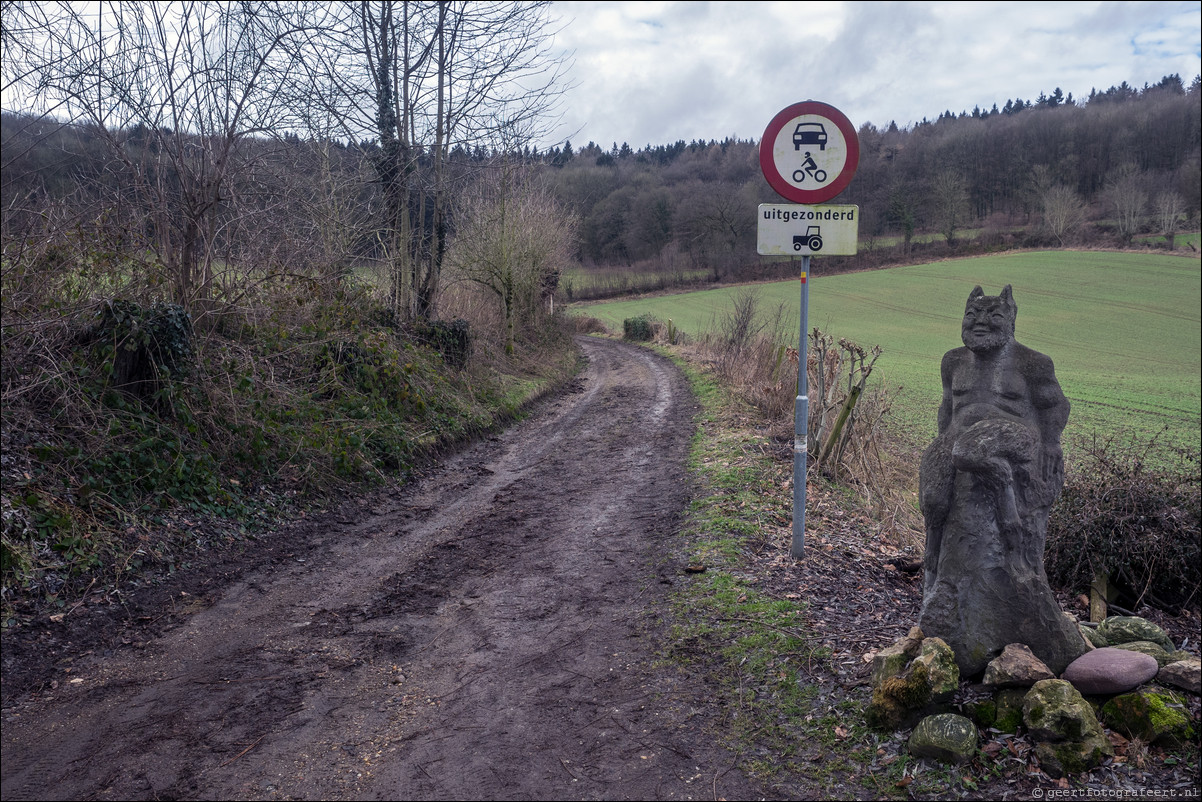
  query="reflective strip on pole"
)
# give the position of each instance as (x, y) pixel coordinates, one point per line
(801, 418)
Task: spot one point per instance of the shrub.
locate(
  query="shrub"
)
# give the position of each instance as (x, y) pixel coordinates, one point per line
(584, 324)
(452, 339)
(142, 346)
(640, 329)
(1138, 523)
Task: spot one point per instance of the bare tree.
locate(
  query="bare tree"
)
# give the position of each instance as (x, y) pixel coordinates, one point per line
(1127, 198)
(1040, 183)
(176, 91)
(1168, 207)
(336, 209)
(513, 240)
(416, 81)
(23, 27)
(900, 212)
(1063, 211)
(650, 222)
(949, 199)
(714, 222)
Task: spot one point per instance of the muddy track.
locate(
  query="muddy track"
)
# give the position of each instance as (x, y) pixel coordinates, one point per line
(489, 632)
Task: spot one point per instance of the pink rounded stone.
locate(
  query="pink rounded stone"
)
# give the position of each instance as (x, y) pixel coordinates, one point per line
(1110, 670)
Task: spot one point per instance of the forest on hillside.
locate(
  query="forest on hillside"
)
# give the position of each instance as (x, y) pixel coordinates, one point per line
(1116, 164)
(194, 148)
(1050, 172)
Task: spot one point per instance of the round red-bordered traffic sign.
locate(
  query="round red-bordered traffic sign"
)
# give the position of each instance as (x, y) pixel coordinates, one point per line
(826, 165)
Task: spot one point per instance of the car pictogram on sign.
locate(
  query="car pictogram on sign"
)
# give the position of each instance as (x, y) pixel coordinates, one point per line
(809, 134)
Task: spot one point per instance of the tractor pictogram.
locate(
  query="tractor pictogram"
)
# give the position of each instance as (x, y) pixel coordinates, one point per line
(812, 239)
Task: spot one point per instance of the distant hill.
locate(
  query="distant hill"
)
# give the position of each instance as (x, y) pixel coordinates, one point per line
(1051, 172)
(1099, 169)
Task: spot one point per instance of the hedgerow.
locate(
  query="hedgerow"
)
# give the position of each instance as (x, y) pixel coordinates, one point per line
(1125, 514)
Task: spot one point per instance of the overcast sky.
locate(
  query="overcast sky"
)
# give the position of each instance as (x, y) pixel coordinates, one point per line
(657, 72)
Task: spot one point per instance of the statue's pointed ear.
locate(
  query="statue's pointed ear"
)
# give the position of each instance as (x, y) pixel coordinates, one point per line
(977, 292)
(1007, 295)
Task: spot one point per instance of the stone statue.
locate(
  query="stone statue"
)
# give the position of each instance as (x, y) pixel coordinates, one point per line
(986, 485)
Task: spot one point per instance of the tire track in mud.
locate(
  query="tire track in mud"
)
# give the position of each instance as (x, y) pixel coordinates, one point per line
(484, 633)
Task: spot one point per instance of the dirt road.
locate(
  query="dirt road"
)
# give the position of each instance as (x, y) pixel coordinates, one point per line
(489, 632)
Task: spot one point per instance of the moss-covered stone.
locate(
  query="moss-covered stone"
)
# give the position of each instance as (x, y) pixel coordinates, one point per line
(1149, 648)
(929, 679)
(898, 699)
(942, 671)
(1153, 716)
(1127, 628)
(1065, 728)
(947, 738)
(983, 713)
(893, 659)
(1053, 710)
(1070, 757)
(1009, 703)
(1096, 638)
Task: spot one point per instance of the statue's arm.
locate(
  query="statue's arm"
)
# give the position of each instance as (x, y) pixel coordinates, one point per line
(946, 370)
(1050, 404)
(1051, 409)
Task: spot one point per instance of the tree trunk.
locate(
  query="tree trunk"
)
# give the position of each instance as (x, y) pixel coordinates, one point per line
(509, 335)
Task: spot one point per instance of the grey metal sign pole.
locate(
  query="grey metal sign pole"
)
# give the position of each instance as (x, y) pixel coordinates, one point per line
(808, 154)
(801, 419)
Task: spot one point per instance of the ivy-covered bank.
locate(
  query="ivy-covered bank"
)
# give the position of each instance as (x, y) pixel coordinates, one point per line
(134, 440)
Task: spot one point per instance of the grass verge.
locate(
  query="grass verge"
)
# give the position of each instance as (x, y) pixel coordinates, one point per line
(751, 641)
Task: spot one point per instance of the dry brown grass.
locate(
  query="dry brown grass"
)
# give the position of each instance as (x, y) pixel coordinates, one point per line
(749, 352)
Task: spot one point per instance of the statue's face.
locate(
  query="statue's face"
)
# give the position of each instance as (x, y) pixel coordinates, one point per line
(988, 323)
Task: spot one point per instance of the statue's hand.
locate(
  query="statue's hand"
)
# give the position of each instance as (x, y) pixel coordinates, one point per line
(1051, 464)
(1011, 529)
(1009, 522)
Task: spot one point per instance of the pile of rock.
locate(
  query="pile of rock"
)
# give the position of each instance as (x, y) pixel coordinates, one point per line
(914, 682)
(1138, 636)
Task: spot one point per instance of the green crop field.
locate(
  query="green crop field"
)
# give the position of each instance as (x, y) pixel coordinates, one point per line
(1123, 329)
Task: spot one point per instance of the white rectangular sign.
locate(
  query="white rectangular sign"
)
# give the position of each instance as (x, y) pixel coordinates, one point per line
(789, 229)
